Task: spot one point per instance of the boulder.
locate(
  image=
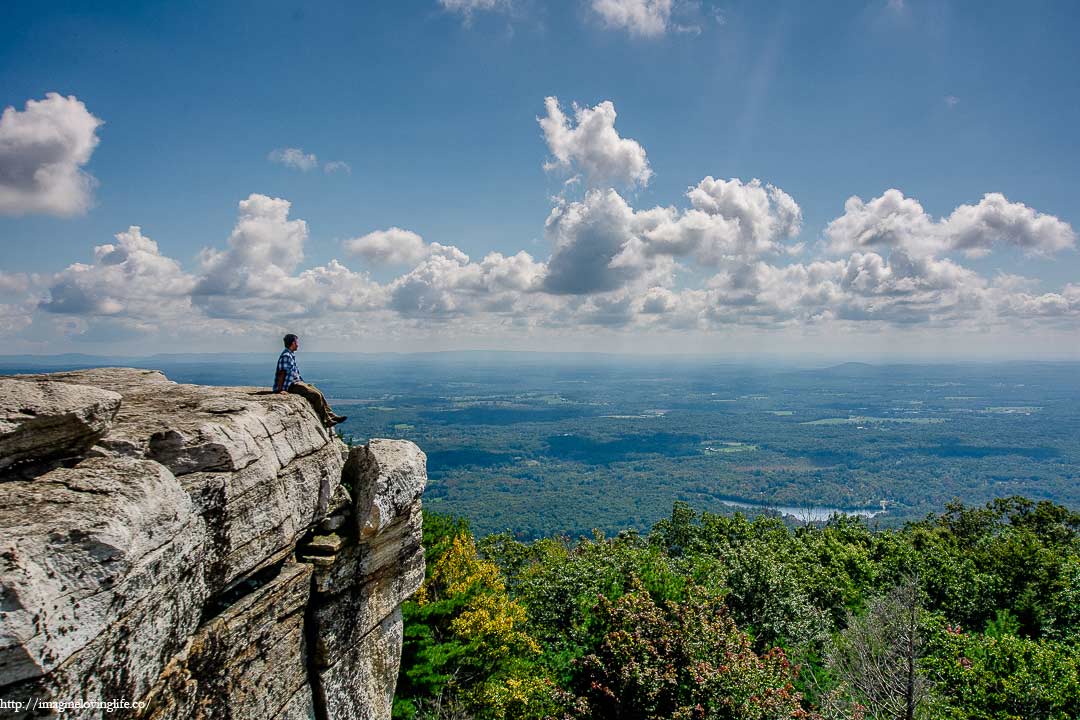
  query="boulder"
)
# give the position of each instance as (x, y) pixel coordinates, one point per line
(259, 467)
(361, 584)
(200, 428)
(256, 515)
(343, 621)
(42, 420)
(387, 478)
(360, 686)
(248, 663)
(100, 578)
(153, 558)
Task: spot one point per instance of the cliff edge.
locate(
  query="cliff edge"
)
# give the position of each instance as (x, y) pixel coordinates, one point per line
(198, 552)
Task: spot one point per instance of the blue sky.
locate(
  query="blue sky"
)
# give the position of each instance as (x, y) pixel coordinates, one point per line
(429, 111)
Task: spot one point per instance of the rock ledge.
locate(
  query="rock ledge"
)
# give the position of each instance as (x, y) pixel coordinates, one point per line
(195, 549)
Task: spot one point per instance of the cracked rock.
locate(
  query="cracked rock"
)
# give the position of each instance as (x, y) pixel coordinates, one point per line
(43, 420)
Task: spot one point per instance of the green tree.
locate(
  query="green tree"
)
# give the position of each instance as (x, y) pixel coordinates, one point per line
(466, 653)
(998, 675)
(680, 661)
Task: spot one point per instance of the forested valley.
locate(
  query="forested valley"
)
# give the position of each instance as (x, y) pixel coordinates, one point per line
(970, 613)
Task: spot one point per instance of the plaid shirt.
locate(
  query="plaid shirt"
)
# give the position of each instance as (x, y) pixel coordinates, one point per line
(286, 363)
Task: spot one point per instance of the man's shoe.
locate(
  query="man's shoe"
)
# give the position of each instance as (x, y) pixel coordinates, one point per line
(338, 419)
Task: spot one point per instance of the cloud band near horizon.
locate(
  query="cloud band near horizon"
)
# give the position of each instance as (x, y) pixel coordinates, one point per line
(731, 257)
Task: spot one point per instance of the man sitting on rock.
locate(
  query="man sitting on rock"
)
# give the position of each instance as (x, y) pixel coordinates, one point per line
(288, 380)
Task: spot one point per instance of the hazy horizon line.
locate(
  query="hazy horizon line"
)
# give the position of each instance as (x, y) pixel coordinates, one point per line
(735, 359)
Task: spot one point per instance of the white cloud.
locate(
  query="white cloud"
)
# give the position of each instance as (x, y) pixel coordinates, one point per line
(1054, 306)
(659, 301)
(447, 284)
(952, 100)
(13, 283)
(756, 218)
(264, 249)
(255, 277)
(601, 243)
(647, 18)
(466, 8)
(906, 289)
(613, 310)
(389, 247)
(335, 166)
(974, 229)
(612, 268)
(895, 221)
(294, 158)
(900, 291)
(128, 278)
(593, 146)
(889, 221)
(297, 159)
(42, 151)
(251, 284)
(756, 293)
(515, 272)
(334, 288)
(590, 241)
(14, 318)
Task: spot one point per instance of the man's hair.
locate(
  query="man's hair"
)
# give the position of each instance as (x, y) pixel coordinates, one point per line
(290, 339)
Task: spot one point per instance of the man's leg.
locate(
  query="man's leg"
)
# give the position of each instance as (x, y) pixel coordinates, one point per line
(315, 397)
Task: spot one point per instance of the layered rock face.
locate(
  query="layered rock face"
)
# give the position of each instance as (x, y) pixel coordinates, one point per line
(201, 551)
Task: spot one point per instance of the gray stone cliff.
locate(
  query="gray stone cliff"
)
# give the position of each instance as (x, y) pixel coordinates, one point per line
(207, 552)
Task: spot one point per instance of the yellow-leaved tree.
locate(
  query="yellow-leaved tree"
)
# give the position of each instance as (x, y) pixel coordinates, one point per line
(473, 658)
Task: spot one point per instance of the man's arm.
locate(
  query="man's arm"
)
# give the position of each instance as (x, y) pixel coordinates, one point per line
(279, 381)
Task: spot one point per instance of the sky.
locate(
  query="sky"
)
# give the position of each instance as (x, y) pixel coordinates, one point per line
(885, 179)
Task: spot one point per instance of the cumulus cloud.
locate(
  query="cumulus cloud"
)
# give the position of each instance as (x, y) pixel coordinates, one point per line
(646, 18)
(591, 279)
(255, 276)
(297, 159)
(763, 213)
(1053, 306)
(900, 290)
(42, 151)
(895, 221)
(889, 221)
(974, 229)
(389, 247)
(129, 278)
(611, 266)
(659, 301)
(294, 158)
(264, 249)
(14, 318)
(613, 310)
(332, 288)
(906, 289)
(589, 241)
(730, 217)
(13, 283)
(593, 146)
(447, 283)
(601, 243)
(466, 8)
(336, 166)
